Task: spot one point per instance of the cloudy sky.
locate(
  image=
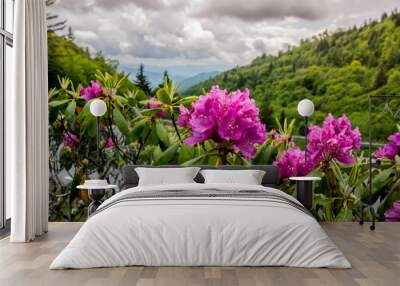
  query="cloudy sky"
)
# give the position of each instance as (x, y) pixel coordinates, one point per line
(197, 35)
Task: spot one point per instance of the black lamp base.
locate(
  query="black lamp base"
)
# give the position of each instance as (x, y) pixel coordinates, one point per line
(95, 196)
(304, 191)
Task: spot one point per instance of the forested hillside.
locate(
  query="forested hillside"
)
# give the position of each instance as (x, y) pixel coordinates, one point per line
(66, 59)
(338, 71)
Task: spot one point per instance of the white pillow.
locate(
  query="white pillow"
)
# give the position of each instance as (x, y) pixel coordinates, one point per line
(166, 176)
(248, 177)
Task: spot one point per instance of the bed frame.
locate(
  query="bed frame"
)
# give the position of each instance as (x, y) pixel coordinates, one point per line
(270, 179)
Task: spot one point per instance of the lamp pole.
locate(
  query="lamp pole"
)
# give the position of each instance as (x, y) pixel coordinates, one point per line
(305, 108)
(98, 136)
(98, 108)
(305, 134)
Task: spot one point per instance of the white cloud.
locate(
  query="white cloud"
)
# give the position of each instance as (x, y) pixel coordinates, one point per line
(206, 32)
(86, 35)
(256, 10)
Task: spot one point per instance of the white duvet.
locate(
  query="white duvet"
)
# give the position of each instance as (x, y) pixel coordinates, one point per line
(203, 232)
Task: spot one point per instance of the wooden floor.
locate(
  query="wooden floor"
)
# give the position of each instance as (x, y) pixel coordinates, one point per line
(375, 257)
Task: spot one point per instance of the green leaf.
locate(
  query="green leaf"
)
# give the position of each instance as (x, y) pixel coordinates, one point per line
(157, 152)
(186, 153)
(89, 126)
(120, 100)
(322, 200)
(208, 145)
(167, 155)
(140, 95)
(146, 102)
(121, 122)
(387, 202)
(153, 138)
(337, 172)
(186, 100)
(162, 133)
(138, 129)
(64, 82)
(163, 96)
(87, 121)
(243, 161)
(345, 214)
(150, 112)
(56, 103)
(380, 180)
(53, 92)
(196, 160)
(265, 155)
(70, 112)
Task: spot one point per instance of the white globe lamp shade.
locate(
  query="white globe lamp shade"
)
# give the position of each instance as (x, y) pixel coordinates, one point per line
(305, 108)
(98, 107)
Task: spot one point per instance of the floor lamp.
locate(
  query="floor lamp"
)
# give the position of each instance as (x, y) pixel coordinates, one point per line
(305, 108)
(304, 184)
(98, 108)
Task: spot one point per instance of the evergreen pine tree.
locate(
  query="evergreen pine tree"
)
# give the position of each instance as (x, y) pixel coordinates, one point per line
(142, 82)
(380, 78)
(165, 77)
(225, 78)
(270, 67)
(241, 82)
(70, 35)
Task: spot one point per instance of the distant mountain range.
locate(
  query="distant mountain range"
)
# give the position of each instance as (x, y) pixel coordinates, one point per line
(184, 81)
(193, 80)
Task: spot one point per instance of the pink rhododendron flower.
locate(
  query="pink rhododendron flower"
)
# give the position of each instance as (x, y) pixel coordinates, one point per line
(393, 214)
(109, 143)
(184, 116)
(334, 140)
(155, 104)
(388, 151)
(92, 91)
(391, 149)
(292, 163)
(71, 140)
(223, 117)
(395, 139)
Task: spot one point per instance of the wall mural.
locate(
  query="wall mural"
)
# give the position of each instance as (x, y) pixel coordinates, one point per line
(249, 122)
(215, 128)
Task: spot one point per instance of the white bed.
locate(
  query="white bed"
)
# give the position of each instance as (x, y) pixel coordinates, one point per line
(203, 231)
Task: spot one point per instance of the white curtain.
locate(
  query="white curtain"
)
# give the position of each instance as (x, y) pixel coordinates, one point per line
(27, 124)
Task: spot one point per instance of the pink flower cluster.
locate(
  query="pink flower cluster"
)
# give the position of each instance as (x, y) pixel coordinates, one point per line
(156, 104)
(393, 214)
(292, 163)
(109, 143)
(223, 117)
(71, 140)
(335, 140)
(391, 149)
(92, 91)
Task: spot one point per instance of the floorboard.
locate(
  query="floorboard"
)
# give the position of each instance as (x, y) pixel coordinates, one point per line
(375, 257)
